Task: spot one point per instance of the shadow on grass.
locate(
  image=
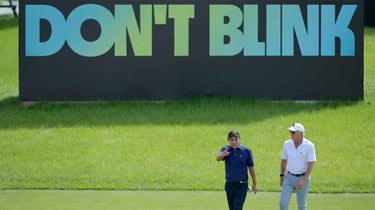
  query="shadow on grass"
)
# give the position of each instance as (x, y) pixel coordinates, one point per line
(197, 111)
(8, 21)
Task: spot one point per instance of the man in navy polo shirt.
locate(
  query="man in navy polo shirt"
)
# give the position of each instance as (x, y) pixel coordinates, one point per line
(238, 159)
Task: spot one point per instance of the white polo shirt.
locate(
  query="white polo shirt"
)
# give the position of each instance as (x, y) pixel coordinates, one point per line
(298, 158)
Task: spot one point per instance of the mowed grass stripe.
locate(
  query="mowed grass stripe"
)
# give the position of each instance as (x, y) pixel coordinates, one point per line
(164, 200)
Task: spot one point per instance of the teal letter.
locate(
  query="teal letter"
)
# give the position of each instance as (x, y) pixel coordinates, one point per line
(181, 15)
(33, 15)
(251, 44)
(140, 37)
(273, 30)
(74, 22)
(219, 29)
(292, 22)
(332, 28)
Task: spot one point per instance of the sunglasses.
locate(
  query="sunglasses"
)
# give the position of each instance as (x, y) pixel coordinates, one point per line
(292, 132)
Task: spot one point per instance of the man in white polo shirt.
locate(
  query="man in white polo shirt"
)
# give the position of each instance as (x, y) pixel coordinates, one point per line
(297, 162)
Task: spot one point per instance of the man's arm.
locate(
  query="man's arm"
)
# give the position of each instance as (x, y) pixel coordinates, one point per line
(310, 166)
(254, 178)
(282, 171)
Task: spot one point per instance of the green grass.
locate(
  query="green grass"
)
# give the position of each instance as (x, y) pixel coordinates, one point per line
(8, 57)
(176, 200)
(172, 145)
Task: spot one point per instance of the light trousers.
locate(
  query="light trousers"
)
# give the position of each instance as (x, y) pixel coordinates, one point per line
(289, 186)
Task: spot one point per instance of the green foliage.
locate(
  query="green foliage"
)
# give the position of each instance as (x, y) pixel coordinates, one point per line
(172, 145)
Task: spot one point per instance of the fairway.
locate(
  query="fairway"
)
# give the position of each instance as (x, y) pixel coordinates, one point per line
(174, 200)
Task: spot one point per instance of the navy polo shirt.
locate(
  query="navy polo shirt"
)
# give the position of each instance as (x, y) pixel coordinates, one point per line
(237, 163)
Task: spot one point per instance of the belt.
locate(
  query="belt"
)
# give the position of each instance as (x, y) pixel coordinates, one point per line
(237, 183)
(297, 175)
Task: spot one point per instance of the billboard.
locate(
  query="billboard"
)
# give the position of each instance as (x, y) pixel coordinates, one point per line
(80, 50)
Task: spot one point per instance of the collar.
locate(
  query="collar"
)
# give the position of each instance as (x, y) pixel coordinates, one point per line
(240, 147)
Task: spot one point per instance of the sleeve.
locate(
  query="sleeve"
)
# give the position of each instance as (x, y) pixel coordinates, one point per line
(250, 161)
(222, 149)
(284, 154)
(311, 153)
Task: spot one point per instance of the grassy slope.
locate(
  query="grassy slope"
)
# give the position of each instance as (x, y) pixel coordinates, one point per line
(173, 144)
(8, 57)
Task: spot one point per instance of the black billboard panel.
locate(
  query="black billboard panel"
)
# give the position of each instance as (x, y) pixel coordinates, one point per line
(81, 50)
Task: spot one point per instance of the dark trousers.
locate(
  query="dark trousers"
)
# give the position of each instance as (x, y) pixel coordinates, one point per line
(236, 195)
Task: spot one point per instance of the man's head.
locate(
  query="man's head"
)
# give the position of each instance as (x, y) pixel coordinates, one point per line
(233, 133)
(296, 130)
(234, 139)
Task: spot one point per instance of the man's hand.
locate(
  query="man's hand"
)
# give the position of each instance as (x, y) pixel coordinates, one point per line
(222, 155)
(225, 153)
(254, 188)
(281, 181)
(300, 184)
